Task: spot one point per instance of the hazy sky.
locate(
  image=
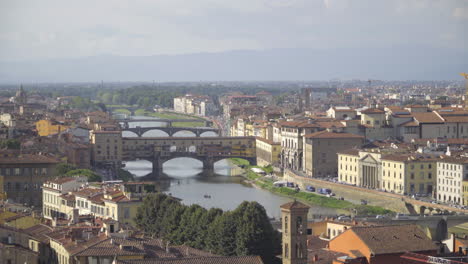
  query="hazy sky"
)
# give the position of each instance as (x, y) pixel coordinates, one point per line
(76, 28)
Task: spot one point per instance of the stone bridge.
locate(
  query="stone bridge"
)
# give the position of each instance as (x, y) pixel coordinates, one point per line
(168, 122)
(139, 131)
(206, 149)
(131, 109)
(422, 208)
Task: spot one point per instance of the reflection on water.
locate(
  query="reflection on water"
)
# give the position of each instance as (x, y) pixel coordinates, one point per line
(185, 178)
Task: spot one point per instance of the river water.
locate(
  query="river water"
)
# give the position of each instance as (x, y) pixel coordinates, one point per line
(186, 179)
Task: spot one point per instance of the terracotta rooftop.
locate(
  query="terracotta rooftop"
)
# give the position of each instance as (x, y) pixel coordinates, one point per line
(410, 157)
(427, 117)
(353, 152)
(393, 239)
(294, 204)
(25, 159)
(62, 180)
(373, 111)
(327, 134)
(198, 260)
(410, 123)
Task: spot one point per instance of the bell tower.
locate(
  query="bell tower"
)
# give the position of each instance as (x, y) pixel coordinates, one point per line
(294, 226)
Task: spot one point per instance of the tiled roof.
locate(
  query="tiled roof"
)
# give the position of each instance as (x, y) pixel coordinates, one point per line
(39, 232)
(25, 159)
(62, 180)
(198, 260)
(327, 134)
(409, 123)
(410, 157)
(394, 239)
(373, 111)
(456, 119)
(353, 152)
(294, 204)
(427, 117)
(150, 248)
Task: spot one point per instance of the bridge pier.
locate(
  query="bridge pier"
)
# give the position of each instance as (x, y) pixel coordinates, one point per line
(157, 166)
(208, 164)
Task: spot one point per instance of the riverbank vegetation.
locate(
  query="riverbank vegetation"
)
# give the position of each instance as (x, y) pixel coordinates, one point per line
(307, 197)
(223, 233)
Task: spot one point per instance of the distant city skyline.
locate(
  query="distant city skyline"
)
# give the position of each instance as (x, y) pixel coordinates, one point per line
(52, 29)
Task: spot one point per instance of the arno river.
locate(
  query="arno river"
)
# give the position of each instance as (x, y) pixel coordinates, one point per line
(187, 180)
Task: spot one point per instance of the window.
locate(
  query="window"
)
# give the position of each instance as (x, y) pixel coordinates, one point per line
(285, 224)
(429, 175)
(126, 212)
(412, 176)
(412, 166)
(286, 250)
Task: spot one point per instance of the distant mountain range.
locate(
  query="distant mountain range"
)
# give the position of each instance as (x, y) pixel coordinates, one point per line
(395, 63)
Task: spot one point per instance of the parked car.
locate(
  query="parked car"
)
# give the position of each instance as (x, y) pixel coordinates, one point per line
(343, 218)
(363, 202)
(402, 216)
(310, 188)
(290, 184)
(280, 183)
(380, 217)
(324, 191)
(341, 198)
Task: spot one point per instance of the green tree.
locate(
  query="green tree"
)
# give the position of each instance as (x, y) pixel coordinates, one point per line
(107, 98)
(91, 175)
(255, 235)
(205, 221)
(116, 98)
(221, 235)
(148, 214)
(10, 144)
(63, 168)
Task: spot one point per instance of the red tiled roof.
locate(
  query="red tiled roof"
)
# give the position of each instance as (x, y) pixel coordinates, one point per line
(427, 117)
(294, 204)
(393, 239)
(373, 111)
(25, 159)
(353, 152)
(327, 134)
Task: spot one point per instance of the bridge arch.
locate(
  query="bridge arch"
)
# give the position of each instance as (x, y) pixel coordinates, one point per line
(152, 131)
(129, 133)
(209, 134)
(182, 133)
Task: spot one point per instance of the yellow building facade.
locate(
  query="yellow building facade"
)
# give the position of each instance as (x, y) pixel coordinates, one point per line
(348, 162)
(268, 152)
(47, 127)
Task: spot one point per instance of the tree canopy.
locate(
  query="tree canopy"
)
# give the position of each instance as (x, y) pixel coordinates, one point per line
(243, 231)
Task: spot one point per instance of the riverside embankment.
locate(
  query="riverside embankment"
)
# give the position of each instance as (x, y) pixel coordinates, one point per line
(350, 206)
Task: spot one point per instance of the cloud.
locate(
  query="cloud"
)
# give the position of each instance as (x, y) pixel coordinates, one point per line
(149, 27)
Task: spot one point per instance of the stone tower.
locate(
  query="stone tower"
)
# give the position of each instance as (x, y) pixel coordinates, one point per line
(294, 226)
(21, 97)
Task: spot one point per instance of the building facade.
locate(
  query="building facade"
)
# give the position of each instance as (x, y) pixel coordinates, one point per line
(321, 148)
(268, 152)
(24, 175)
(451, 173)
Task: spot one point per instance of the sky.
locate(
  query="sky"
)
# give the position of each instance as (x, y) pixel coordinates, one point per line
(49, 29)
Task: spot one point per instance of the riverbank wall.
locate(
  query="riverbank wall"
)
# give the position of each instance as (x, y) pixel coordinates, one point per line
(351, 193)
